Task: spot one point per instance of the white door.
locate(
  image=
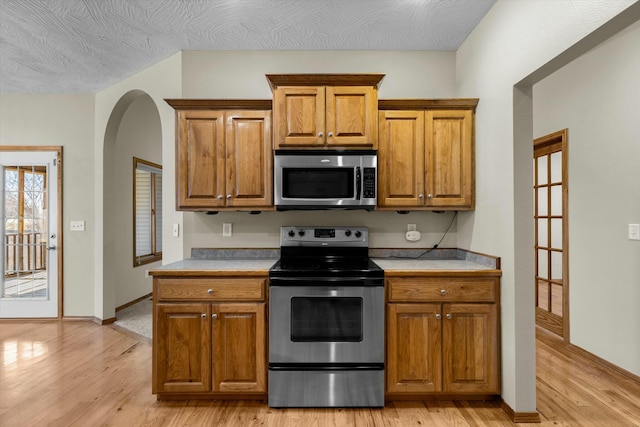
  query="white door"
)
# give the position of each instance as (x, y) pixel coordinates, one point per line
(29, 212)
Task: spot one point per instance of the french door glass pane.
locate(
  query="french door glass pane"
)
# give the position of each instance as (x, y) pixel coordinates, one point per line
(542, 170)
(543, 264)
(556, 265)
(542, 232)
(556, 233)
(556, 166)
(542, 201)
(556, 200)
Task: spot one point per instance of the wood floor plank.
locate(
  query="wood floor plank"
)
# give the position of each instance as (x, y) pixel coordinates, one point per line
(83, 374)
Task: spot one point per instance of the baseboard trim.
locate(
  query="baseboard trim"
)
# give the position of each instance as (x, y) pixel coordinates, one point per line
(602, 362)
(519, 417)
(135, 301)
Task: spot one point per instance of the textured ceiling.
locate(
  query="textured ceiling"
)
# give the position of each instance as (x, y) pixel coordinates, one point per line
(83, 46)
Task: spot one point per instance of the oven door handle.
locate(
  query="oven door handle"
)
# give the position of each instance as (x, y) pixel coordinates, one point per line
(342, 281)
(358, 183)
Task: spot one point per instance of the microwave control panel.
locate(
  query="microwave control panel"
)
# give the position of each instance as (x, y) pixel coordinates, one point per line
(369, 183)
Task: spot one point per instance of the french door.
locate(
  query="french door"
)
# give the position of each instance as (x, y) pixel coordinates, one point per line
(551, 232)
(29, 186)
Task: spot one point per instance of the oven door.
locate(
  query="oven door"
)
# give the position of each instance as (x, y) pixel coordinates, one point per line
(326, 324)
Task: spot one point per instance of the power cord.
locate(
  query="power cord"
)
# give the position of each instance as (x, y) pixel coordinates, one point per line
(455, 215)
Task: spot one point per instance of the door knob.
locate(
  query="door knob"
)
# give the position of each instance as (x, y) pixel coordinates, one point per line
(51, 248)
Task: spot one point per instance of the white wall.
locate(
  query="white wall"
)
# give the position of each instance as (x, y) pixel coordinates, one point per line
(242, 75)
(513, 40)
(139, 135)
(160, 81)
(67, 121)
(597, 97)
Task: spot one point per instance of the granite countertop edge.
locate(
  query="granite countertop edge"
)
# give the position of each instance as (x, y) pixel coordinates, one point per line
(221, 261)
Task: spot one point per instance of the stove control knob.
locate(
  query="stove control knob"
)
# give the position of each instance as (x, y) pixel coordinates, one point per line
(291, 233)
(347, 233)
(301, 233)
(358, 234)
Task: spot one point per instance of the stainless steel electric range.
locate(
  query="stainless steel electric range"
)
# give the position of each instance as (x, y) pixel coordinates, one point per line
(326, 320)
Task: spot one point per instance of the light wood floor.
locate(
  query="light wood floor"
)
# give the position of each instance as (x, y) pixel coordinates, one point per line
(82, 374)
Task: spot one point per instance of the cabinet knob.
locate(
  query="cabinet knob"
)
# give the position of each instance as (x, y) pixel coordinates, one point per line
(209, 291)
(214, 316)
(203, 315)
(430, 196)
(443, 291)
(228, 196)
(219, 196)
(449, 316)
(330, 135)
(438, 316)
(320, 134)
(421, 196)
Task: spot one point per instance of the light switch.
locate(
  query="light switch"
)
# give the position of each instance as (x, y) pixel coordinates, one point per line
(634, 231)
(176, 230)
(77, 225)
(227, 229)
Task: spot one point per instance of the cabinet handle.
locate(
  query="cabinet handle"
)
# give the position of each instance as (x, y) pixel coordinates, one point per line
(228, 196)
(219, 196)
(214, 316)
(449, 316)
(330, 135)
(209, 291)
(438, 316)
(443, 291)
(421, 196)
(320, 134)
(203, 316)
(430, 196)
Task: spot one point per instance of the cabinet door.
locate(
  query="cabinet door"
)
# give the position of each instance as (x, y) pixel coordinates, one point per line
(352, 116)
(249, 159)
(201, 158)
(299, 115)
(183, 356)
(449, 159)
(239, 347)
(414, 361)
(470, 343)
(401, 159)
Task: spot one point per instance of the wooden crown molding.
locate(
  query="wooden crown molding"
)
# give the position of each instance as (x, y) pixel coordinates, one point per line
(276, 80)
(428, 104)
(220, 104)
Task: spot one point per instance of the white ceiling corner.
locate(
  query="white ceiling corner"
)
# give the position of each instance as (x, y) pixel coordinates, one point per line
(84, 46)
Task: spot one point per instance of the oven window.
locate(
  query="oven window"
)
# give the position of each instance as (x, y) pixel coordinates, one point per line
(335, 319)
(317, 183)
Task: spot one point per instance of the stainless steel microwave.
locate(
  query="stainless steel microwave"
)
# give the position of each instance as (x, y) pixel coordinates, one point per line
(325, 179)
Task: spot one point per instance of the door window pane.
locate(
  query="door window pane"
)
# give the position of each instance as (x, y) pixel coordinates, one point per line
(542, 232)
(543, 264)
(556, 200)
(556, 166)
(542, 201)
(542, 170)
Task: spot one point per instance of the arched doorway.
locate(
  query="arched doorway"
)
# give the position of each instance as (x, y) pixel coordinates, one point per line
(133, 130)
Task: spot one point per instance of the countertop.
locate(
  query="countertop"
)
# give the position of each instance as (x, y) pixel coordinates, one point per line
(210, 267)
(429, 264)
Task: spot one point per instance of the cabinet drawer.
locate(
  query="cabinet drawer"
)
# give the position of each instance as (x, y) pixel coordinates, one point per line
(441, 289)
(218, 289)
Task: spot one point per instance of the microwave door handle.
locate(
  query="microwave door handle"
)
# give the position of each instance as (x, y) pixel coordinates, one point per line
(358, 183)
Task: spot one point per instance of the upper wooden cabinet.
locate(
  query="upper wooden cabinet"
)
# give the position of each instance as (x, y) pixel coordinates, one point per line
(223, 155)
(325, 110)
(426, 154)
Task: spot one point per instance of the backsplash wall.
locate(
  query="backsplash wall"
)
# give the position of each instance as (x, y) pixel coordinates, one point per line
(386, 229)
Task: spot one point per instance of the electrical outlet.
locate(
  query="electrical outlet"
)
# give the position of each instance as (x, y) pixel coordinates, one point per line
(411, 227)
(77, 225)
(227, 229)
(634, 231)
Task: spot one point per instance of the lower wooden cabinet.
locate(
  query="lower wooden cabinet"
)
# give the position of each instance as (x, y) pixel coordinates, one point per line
(209, 349)
(436, 347)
